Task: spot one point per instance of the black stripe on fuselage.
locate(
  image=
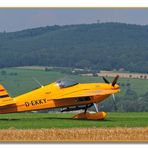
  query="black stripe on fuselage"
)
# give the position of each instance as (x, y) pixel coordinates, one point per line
(4, 96)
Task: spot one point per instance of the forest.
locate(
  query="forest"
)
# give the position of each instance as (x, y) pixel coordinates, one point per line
(97, 46)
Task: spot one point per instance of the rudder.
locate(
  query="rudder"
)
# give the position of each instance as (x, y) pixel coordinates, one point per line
(3, 93)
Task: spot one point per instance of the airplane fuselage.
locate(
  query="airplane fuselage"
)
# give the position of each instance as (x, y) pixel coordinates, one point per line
(53, 96)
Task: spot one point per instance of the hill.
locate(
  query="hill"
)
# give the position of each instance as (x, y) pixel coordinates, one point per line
(95, 46)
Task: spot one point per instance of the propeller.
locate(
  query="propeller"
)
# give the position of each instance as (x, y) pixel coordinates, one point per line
(113, 84)
(105, 80)
(114, 81)
(114, 101)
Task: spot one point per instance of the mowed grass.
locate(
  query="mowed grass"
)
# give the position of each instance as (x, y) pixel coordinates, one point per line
(64, 120)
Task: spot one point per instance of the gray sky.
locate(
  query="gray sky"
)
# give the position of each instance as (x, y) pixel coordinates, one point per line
(17, 19)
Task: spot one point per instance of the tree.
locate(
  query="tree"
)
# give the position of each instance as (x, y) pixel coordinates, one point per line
(3, 72)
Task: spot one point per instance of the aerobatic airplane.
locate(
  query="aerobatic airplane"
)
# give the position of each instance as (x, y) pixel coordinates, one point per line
(66, 94)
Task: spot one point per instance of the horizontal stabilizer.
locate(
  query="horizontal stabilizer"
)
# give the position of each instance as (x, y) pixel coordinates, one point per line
(6, 103)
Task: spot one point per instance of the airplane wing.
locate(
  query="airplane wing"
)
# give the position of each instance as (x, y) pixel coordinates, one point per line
(87, 93)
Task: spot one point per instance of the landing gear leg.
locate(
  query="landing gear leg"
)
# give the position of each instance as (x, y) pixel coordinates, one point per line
(96, 107)
(91, 116)
(86, 109)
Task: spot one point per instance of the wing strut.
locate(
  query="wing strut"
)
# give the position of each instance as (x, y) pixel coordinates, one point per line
(37, 81)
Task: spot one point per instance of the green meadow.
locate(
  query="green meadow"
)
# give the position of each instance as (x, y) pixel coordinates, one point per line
(64, 120)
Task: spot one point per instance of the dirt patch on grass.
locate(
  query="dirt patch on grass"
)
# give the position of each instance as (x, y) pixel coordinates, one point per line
(75, 134)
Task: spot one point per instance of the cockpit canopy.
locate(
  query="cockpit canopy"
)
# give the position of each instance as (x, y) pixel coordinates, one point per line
(66, 83)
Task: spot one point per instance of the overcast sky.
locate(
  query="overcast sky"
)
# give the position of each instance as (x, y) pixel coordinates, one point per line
(18, 19)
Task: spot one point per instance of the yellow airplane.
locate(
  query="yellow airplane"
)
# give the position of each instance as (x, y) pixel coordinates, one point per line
(66, 94)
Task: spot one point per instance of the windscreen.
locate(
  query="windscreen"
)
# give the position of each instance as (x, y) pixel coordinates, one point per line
(66, 83)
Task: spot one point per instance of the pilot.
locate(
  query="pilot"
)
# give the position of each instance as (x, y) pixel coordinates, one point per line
(61, 84)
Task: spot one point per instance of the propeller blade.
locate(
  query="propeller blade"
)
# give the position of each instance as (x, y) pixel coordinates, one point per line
(114, 101)
(105, 80)
(115, 80)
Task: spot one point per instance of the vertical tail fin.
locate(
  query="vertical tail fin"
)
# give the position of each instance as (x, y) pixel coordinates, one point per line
(7, 104)
(4, 94)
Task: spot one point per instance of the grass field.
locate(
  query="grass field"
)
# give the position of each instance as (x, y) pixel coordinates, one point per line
(63, 120)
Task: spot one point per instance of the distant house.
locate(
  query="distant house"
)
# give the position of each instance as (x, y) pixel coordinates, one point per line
(123, 74)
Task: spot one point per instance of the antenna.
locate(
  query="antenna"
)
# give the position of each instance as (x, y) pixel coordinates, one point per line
(37, 81)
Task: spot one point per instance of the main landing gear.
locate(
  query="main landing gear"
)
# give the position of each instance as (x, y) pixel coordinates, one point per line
(91, 116)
